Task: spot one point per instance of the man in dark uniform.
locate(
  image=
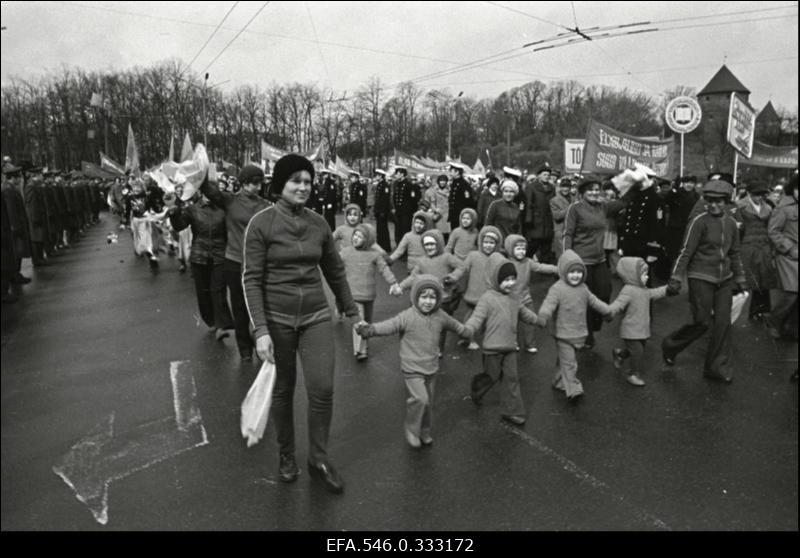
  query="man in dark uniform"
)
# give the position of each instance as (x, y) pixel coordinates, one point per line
(36, 206)
(405, 203)
(53, 214)
(358, 192)
(383, 210)
(328, 199)
(538, 220)
(638, 226)
(461, 196)
(678, 204)
(18, 219)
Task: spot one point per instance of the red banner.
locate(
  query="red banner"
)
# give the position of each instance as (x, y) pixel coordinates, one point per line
(778, 157)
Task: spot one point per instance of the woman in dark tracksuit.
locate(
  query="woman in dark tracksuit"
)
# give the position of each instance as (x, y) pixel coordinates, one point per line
(207, 257)
(285, 248)
(239, 208)
(710, 259)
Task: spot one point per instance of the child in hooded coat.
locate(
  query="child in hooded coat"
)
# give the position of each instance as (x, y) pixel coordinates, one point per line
(439, 264)
(490, 240)
(499, 309)
(411, 243)
(516, 247)
(362, 263)
(462, 240)
(419, 327)
(343, 235)
(634, 328)
(460, 244)
(568, 300)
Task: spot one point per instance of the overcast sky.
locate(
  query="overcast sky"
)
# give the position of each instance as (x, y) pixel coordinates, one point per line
(342, 44)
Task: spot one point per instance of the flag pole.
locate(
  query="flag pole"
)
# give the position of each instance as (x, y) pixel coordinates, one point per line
(735, 165)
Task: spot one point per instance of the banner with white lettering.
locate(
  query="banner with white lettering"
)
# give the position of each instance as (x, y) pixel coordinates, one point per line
(609, 151)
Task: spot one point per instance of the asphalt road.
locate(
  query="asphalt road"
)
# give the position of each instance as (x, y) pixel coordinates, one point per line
(95, 336)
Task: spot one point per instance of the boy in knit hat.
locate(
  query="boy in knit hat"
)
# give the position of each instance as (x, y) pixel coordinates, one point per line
(343, 234)
(362, 263)
(474, 269)
(439, 264)
(634, 328)
(411, 243)
(516, 247)
(499, 310)
(419, 327)
(568, 299)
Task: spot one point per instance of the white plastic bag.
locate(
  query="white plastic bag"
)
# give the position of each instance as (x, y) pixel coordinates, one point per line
(255, 407)
(737, 305)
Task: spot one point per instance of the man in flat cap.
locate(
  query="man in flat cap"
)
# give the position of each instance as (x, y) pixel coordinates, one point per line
(711, 261)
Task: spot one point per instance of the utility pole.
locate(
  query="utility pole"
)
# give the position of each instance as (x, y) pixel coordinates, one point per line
(205, 127)
(450, 125)
(508, 137)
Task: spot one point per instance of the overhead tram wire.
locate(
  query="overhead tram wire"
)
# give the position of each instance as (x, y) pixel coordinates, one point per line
(626, 26)
(319, 47)
(614, 74)
(275, 35)
(607, 55)
(476, 63)
(205, 44)
(236, 36)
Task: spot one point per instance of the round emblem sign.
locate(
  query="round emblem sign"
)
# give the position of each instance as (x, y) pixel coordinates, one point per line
(683, 114)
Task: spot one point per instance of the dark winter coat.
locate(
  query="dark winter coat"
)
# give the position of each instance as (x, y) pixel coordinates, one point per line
(538, 216)
(759, 266)
(782, 231)
(209, 231)
(461, 197)
(639, 224)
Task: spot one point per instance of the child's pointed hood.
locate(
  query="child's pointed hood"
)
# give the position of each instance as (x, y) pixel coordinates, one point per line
(355, 206)
(512, 241)
(630, 270)
(567, 261)
(425, 217)
(437, 235)
(369, 235)
(495, 232)
(426, 281)
(496, 261)
(472, 213)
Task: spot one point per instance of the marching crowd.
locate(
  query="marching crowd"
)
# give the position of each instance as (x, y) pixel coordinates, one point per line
(259, 247)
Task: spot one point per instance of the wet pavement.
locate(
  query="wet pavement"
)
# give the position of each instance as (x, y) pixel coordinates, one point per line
(89, 361)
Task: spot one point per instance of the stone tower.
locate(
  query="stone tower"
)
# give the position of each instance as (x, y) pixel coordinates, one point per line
(708, 149)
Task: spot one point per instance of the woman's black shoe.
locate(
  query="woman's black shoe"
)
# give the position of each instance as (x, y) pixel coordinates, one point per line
(328, 476)
(288, 471)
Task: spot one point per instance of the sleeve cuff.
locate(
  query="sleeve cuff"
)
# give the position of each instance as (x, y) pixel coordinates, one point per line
(260, 331)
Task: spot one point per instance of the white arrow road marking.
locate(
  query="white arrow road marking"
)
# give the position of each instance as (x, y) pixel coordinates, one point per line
(101, 457)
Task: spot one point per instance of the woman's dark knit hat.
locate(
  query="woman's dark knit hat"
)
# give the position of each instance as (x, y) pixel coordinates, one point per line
(285, 168)
(250, 174)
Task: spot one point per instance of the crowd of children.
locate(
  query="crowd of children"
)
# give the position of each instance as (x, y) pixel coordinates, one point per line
(492, 275)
